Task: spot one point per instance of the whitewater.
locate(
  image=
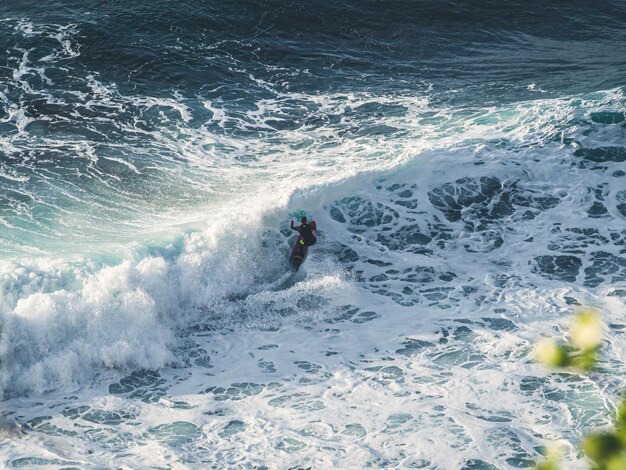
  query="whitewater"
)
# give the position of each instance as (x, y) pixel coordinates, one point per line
(150, 165)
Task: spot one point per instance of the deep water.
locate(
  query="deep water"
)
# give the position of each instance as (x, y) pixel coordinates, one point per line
(465, 162)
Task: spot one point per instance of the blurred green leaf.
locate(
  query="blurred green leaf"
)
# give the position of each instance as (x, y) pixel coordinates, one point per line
(587, 329)
(585, 359)
(617, 462)
(551, 354)
(621, 415)
(548, 465)
(602, 447)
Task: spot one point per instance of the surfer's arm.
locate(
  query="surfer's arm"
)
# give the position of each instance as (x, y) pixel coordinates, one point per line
(293, 227)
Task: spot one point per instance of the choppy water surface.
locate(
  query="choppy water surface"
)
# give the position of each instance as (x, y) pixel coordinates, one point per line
(465, 165)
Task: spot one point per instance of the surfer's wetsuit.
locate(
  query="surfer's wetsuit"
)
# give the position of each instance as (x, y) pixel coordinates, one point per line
(307, 238)
(306, 232)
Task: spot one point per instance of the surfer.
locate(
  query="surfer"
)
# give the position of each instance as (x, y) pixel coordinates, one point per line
(306, 238)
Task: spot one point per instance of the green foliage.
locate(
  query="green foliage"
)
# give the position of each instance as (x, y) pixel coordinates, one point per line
(552, 460)
(548, 465)
(602, 447)
(582, 348)
(621, 417)
(585, 359)
(605, 450)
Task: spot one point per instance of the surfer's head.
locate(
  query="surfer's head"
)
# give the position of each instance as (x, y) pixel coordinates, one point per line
(303, 220)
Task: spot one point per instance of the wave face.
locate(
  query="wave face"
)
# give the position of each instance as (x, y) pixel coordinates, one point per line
(465, 166)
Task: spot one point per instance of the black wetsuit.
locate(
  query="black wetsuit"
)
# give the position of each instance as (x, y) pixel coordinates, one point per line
(306, 232)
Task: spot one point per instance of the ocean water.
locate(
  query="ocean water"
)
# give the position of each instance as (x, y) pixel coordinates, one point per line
(465, 163)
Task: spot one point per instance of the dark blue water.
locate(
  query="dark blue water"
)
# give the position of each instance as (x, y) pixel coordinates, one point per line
(492, 47)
